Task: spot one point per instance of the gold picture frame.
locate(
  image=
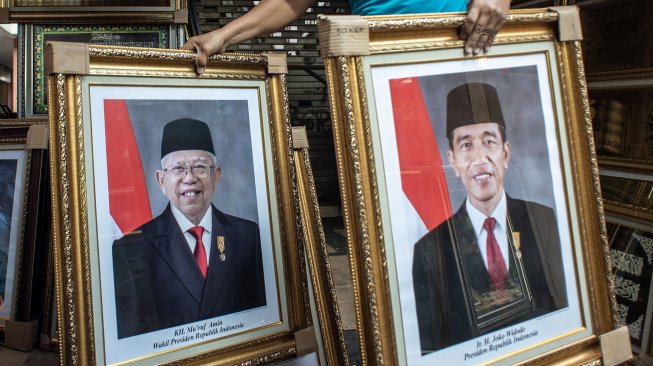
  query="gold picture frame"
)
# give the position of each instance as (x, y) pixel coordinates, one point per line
(243, 99)
(23, 145)
(619, 103)
(627, 194)
(630, 244)
(326, 313)
(33, 86)
(389, 78)
(94, 11)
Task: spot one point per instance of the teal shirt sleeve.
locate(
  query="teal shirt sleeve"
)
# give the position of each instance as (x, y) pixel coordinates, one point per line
(392, 7)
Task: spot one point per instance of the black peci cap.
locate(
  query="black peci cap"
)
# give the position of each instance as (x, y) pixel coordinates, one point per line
(186, 134)
(473, 103)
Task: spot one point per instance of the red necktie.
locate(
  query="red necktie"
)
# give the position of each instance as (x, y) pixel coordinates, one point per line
(199, 253)
(495, 263)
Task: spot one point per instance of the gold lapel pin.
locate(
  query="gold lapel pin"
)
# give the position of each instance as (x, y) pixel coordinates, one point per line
(221, 247)
(516, 239)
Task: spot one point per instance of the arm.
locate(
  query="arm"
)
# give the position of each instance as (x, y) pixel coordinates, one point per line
(484, 19)
(266, 17)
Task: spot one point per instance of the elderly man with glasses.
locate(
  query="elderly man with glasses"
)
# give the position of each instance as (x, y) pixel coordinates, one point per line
(192, 262)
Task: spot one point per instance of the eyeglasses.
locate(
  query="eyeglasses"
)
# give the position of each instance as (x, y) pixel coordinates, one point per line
(198, 170)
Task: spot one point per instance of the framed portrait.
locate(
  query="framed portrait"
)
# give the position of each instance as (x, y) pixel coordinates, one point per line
(599, 36)
(33, 37)
(627, 193)
(619, 104)
(473, 220)
(23, 167)
(331, 349)
(631, 245)
(102, 11)
(131, 201)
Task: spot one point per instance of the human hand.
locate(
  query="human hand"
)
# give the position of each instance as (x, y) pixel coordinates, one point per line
(484, 19)
(205, 45)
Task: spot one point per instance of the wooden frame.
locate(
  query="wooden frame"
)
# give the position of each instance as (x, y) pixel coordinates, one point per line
(620, 86)
(32, 87)
(324, 307)
(620, 103)
(627, 194)
(244, 91)
(632, 58)
(26, 141)
(75, 11)
(630, 245)
(367, 60)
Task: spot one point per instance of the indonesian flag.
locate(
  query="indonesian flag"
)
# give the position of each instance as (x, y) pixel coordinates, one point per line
(129, 203)
(422, 174)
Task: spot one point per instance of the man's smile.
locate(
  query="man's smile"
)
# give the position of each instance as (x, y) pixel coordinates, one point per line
(482, 173)
(190, 193)
(482, 176)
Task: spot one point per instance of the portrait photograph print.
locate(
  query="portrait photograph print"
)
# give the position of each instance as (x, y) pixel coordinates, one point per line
(186, 248)
(477, 207)
(12, 181)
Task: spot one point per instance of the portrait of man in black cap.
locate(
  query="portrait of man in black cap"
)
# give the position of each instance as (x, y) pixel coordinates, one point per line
(193, 261)
(497, 261)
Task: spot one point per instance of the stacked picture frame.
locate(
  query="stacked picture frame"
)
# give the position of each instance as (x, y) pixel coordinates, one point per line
(392, 84)
(242, 99)
(160, 24)
(408, 181)
(630, 245)
(620, 96)
(298, 297)
(102, 11)
(33, 91)
(153, 25)
(25, 218)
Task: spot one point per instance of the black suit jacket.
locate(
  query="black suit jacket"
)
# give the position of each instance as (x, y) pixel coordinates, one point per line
(444, 269)
(159, 285)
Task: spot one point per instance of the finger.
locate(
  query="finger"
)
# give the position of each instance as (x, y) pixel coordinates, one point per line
(468, 25)
(486, 33)
(189, 45)
(201, 61)
(489, 42)
(200, 57)
(492, 26)
(492, 34)
(478, 36)
(496, 14)
(467, 30)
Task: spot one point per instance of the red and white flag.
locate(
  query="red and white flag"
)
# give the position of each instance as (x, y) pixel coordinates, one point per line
(129, 202)
(423, 178)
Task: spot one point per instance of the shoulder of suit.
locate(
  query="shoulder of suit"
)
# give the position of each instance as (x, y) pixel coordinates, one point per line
(129, 238)
(235, 220)
(533, 209)
(137, 234)
(444, 228)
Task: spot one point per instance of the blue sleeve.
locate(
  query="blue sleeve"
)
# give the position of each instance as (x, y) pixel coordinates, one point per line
(393, 7)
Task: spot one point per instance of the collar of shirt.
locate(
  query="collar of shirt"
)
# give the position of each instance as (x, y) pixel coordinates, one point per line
(500, 229)
(185, 224)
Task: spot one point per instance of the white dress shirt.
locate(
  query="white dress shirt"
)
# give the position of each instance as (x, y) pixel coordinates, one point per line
(500, 229)
(185, 224)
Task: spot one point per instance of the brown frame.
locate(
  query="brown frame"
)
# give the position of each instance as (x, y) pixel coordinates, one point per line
(44, 11)
(33, 244)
